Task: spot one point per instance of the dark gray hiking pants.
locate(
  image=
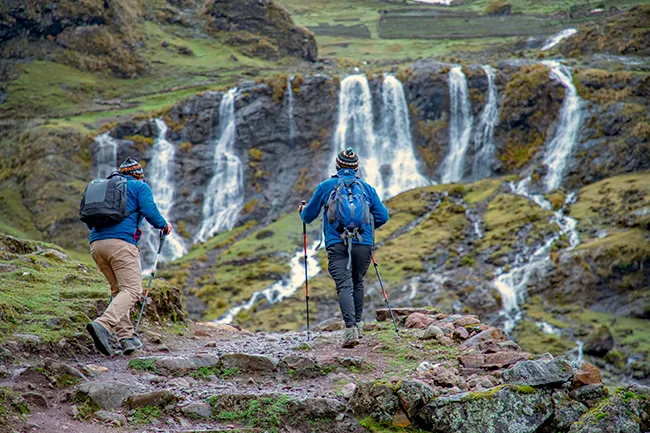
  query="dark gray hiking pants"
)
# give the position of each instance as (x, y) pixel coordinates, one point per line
(349, 283)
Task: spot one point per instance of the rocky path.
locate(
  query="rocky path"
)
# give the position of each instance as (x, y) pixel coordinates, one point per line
(217, 378)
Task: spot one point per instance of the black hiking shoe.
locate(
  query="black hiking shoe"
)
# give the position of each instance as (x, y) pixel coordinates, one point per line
(130, 345)
(100, 336)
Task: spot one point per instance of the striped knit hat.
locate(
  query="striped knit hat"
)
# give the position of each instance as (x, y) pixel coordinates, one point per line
(347, 159)
(131, 167)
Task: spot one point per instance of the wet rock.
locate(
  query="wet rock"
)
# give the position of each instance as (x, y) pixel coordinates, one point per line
(466, 321)
(494, 360)
(589, 394)
(248, 363)
(155, 398)
(508, 410)
(109, 395)
(418, 321)
(376, 400)
(566, 411)
(182, 365)
(414, 395)
(599, 342)
(348, 390)
(197, 411)
(333, 324)
(111, 417)
(432, 333)
(383, 315)
(586, 375)
(539, 372)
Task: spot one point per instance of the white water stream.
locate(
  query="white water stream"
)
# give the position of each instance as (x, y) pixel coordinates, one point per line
(160, 178)
(106, 155)
(484, 148)
(557, 38)
(290, 107)
(513, 285)
(559, 149)
(224, 196)
(283, 288)
(460, 127)
(387, 159)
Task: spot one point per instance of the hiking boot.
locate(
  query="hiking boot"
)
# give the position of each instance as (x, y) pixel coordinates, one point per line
(130, 345)
(360, 326)
(350, 337)
(100, 336)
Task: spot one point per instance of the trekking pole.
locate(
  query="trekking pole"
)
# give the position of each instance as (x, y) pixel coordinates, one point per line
(153, 271)
(304, 241)
(390, 310)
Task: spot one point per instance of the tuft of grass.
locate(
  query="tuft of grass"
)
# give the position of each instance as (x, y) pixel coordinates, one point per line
(266, 412)
(144, 415)
(146, 364)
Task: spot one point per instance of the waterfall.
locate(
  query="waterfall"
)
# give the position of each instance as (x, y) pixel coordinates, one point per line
(290, 103)
(484, 148)
(282, 289)
(559, 149)
(224, 196)
(388, 160)
(513, 285)
(557, 38)
(160, 178)
(460, 127)
(106, 155)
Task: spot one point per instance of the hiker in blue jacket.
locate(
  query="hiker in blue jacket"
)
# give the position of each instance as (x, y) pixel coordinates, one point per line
(115, 250)
(352, 211)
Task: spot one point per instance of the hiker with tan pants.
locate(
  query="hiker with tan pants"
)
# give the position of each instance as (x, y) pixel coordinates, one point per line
(114, 247)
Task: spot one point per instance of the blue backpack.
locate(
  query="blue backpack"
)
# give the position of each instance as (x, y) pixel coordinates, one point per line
(348, 209)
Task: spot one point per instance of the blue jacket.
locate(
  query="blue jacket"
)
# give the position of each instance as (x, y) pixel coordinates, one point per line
(139, 195)
(319, 201)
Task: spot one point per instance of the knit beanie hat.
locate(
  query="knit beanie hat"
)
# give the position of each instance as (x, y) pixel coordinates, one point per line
(347, 159)
(131, 167)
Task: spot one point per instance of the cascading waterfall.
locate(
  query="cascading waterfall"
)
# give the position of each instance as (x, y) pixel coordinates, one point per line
(282, 289)
(460, 127)
(484, 148)
(224, 196)
(557, 38)
(512, 286)
(559, 149)
(160, 178)
(290, 103)
(389, 162)
(106, 155)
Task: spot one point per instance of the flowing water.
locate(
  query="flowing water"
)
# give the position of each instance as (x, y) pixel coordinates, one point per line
(484, 148)
(283, 288)
(513, 285)
(224, 196)
(160, 178)
(290, 107)
(460, 127)
(388, 159)
(557, 38)
(106, 155)
(559, 149)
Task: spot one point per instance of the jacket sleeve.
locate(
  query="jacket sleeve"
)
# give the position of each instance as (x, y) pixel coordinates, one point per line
(312, 210)
(378, 210)
(148, 207)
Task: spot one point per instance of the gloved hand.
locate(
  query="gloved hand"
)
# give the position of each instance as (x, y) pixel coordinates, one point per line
(167, 230)
(301, 207)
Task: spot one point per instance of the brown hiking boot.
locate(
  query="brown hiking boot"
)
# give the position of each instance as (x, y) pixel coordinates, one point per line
(350, 337)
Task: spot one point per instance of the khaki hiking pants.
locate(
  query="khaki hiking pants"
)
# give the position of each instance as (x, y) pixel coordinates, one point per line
(119, 261)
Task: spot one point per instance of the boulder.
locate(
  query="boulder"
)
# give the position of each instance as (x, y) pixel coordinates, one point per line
(566, 410)
(509, 409)
(432, 333)
(589, 394)
(414, 395)
(477, 342)
(418, 321)
(300, 366)
(376, 400)
(249, 363)
(620, 413)
(586, 375)
(348, 390)
(599, 342)
(111, 417)
(197, 411)
(333, 324)
(539, 372)
(107, 395)
(179, 366)
(155, 398)
(466, 321)
(460, 334)
(493, 360)
(317, 408)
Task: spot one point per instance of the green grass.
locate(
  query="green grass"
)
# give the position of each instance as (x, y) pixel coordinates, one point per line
(266, 412)
(144, 415)
(373, 426)
(148, 364)
(15, 219)
(11, 404)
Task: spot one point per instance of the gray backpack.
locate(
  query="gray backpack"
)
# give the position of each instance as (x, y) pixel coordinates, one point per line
(104, 202)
